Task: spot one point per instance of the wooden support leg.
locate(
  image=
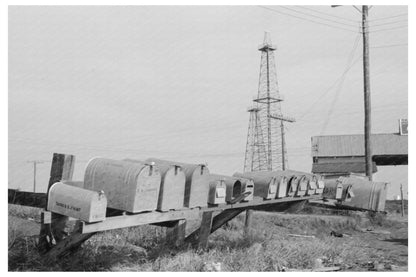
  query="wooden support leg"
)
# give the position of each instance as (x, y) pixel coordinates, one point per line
(204, 230)
(69, 243)
(218, 221)
(247, 224)
(62, 169)
(176, 235)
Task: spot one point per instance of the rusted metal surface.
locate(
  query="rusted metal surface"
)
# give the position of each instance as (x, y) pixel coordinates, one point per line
(265, 185)
(132, 187)
(79, 203)
(234, 186)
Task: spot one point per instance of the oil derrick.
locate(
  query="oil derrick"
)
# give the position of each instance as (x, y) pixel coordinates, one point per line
(265, 149)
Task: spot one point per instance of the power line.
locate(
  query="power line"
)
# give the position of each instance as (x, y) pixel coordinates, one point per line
(384, 18)
(308, 14)
(389, 45)
(399, 27)
(310, 20)
(340, 84)
(387, 23)
(343, 18)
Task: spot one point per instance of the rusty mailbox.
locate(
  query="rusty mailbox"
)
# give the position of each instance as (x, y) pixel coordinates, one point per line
(265, 184)
(217, 191)
(196, 183)
(129, 186)
(247, 188)
(76, 202)
(235, 192)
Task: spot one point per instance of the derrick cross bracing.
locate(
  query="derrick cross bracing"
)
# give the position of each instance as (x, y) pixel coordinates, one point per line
(61, 234)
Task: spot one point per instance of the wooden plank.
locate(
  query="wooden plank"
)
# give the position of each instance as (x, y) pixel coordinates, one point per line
(66, 245)
(247, 223)
(204, 230)
(218, 221)
(130, 220)
(26, 198)
(62, 168)
(138, 219)
(176, 234)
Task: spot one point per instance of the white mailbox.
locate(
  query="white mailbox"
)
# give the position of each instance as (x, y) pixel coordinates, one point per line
(79, 203)
(217, 192)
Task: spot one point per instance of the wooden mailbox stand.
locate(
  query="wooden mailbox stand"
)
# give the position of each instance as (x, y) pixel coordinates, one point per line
(55, 240)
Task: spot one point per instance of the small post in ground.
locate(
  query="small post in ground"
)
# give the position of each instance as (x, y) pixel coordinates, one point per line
(247, 225)
(401, 197)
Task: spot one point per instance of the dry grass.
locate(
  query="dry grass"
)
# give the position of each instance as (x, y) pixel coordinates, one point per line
(267, 247)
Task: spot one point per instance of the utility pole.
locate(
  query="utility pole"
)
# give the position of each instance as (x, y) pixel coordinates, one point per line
(35, 162)
(367, 96)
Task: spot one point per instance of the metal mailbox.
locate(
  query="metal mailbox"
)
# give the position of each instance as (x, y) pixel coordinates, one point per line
(315, 182)
(265, 184)
(79, 203)
(282, 187)
(217, 191)
(172, 186)
(362, 194)
(129, 186)
(196, 183)
(234, 189)
(247, 187)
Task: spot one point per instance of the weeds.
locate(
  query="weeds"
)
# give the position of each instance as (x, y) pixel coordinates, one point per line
(266, 247)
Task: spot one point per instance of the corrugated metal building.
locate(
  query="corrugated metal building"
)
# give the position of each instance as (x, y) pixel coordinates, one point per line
(344, 154)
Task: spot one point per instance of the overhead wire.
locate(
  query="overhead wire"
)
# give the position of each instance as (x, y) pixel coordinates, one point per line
(328, 14)
(388, 17)
(306, 19)
(340, 84)
(308, 14)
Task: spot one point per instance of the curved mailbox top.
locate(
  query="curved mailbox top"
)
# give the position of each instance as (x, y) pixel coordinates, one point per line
(76, 202)
(129, 186)
(234, 186)
(196, 185)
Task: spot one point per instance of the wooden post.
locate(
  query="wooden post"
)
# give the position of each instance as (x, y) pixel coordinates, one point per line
(247, 224)
(175, 235)
(204, 230)
(401, 197)
(62, 168)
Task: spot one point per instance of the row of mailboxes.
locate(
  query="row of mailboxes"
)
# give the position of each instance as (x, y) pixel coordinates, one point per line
(136, 186)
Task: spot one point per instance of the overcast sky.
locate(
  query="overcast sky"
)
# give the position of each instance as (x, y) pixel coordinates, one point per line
(175, 82)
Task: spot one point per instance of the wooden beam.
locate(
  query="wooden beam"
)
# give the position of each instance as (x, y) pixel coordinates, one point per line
(26, 198)
(124, 221)
(247, 223)
(204, 230)
(218, 221)
(62, 168)
(175, 235)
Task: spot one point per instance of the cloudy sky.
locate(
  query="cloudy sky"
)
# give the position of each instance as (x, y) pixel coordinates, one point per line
(174, 82)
